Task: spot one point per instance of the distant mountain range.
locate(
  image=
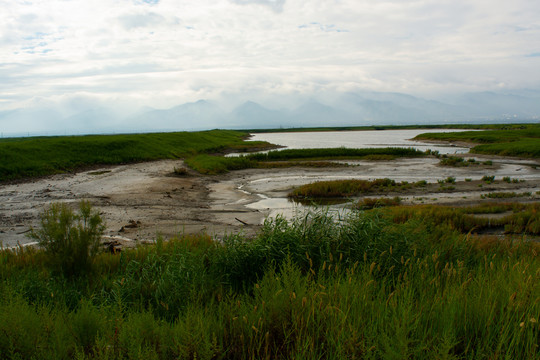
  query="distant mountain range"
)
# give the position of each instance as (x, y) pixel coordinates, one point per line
(348, 109)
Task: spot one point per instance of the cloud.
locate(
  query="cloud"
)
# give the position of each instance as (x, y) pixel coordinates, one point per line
(162, 53)
(131, 21)
(275, 5)
(322, 27)
(147, 2)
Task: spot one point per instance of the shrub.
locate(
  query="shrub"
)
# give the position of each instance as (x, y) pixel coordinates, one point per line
(181, 171)
(455, 161)
(70, 240)
(488, 179)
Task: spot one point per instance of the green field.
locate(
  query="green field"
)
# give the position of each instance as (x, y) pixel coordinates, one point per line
(522, 141)
(31, 157)
(392, 283)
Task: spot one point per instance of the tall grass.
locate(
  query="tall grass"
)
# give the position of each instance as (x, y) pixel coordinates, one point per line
(362, 287)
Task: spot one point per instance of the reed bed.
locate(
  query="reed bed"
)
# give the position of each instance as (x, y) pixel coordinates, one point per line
(351, 187)
(212, 164)
(368, 286)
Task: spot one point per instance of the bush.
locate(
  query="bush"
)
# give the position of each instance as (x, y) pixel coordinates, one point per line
(70, 240)
(488, 179)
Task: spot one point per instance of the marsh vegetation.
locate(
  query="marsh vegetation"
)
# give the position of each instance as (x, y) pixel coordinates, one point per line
(413, 282)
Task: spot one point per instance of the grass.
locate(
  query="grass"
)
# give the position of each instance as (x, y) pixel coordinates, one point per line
(519, 141)
(209, 164)
(504, 195)
(39, 156)
(457, 161)
(348, 188)
(522, 218)
(374, 285)
(372, 203)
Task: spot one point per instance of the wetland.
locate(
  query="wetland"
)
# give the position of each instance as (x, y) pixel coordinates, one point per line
(143, 200)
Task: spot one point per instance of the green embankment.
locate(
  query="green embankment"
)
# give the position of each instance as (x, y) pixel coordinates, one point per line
(30, 157)
(522, 141)
(390, 283)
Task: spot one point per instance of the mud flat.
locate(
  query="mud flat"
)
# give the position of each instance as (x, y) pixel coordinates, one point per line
(141, 201)
(138, 202)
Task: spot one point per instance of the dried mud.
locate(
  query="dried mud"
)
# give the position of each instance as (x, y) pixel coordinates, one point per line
(141, 201)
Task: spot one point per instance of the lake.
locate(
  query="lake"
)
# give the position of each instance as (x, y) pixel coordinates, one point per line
(358, 139)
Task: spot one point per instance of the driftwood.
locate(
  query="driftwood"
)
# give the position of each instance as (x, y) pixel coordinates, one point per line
(243, 222)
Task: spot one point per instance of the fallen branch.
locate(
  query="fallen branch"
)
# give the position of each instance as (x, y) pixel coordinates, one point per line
(243, 222)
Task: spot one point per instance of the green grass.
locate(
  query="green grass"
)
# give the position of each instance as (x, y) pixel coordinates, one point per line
(522, 219)
(211, 164)
(505, 195)
(336, 153)
(347, 188)
(30, 157)
(371, 286)
(522, 141)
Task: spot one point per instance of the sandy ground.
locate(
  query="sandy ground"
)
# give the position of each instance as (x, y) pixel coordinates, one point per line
(140, 201)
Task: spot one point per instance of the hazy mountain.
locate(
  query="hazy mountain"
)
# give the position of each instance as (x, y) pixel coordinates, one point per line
(255, 116)
(500, 105)
(190, 116)
(347, 109)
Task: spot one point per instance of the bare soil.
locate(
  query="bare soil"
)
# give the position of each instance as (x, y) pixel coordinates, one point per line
(142, 201)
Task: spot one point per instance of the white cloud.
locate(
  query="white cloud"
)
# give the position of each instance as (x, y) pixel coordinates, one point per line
(275, 5)
(162, 53)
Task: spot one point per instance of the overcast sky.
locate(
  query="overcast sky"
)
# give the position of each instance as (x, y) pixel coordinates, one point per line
(163, 53)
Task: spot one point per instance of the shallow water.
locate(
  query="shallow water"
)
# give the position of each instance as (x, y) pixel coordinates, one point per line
(358, 139)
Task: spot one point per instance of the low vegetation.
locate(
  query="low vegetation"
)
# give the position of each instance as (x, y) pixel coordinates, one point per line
(397, 282)
(521, 218)
(348, 188)
(458, 161)
(39, 156)
(209, 164)
(518, 140)
(505, 195)
(372, 203)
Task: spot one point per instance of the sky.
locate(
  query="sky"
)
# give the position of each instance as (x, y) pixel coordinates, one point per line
(161, 53)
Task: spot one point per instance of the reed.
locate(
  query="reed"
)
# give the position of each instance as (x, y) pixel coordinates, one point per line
(371, 285)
